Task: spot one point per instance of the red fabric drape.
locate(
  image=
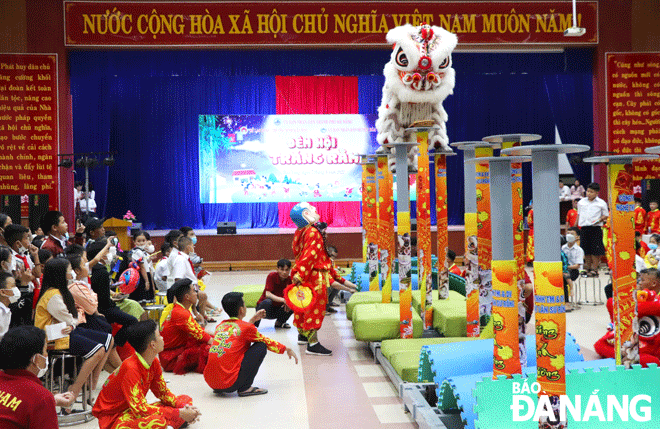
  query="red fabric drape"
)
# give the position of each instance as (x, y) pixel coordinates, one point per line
(304, 95)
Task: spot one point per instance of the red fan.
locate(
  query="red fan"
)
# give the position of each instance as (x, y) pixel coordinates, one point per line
(300, 298)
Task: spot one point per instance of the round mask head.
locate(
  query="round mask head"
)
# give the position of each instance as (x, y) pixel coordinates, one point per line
(303, 214)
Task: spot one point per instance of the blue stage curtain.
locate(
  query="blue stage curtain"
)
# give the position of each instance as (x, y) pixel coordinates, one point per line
(146, 104)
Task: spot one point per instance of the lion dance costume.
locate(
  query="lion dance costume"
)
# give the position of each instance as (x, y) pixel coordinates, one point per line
(312, 273)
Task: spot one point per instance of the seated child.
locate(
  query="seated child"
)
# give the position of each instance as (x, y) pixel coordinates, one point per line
(186, 343)
(238, 350)
(122, 401)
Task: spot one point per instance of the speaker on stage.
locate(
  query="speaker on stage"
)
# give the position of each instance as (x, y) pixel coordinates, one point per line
(226, 227)
(11, 206)
(37, 208)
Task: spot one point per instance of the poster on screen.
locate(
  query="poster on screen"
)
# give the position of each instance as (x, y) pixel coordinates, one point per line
(280, 158)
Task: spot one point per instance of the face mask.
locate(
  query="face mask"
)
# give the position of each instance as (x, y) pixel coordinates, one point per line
(112, 253)
(194, 239)
(570, 238)
(150, 248)
(22, 250)
(66, 236)
(42, 371)
(653, 246)
(72, 274)
(16, 294)
(140, 247)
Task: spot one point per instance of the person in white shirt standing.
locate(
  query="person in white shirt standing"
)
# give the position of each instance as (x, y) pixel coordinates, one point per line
(182, 268)
(171, 237)
(564, 192)
(592, 212)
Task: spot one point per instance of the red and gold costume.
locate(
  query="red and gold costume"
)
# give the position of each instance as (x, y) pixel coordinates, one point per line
(571, 218)
(122, 402)
(454, 269)
(313, 268)
(233, 337)
(186, 343)
(640, 219)
(653, 221)
(530, 236)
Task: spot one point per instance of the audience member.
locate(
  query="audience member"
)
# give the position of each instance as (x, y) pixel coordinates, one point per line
(54, 225)
(26, 269)
(160, 275)
(5, 221)
(186, 343)
(653, 255)
(653, 218)
(144, 290)
(572, 215)
(577, 190)
(574, 253)
(640, 216)
(172, 238)
(272, 299)
(182, 268)
(592, 212)
(449, 263)
(640, 246)
(7, 284)
(122, 401)
(27, 404)
(238, 350)
(650, 279)
(100, 282)
(94, 229)
(564, 192)
(56, 305)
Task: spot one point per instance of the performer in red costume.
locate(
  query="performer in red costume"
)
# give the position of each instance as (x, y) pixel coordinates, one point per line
(122, 402)
(186, 343)
(640, 216)
(313, 268)
(653, 218)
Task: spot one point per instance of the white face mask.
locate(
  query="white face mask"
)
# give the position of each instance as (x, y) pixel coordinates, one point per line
(42, 371)
(16, 294)
(72, 274)
(570, 238)
(22, 250)
(112, 253)
(150, 248)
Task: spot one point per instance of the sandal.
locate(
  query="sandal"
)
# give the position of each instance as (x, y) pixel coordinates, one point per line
(252, 391)
(210, 320)
(283, 326)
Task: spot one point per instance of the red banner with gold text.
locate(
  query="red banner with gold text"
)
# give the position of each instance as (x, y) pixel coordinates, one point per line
(633, 107)
(29, 125)
(271, 23)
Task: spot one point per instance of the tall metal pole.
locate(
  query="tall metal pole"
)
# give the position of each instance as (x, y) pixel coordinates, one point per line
(549, 284)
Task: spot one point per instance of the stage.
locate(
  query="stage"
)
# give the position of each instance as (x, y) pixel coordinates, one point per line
(251, 249)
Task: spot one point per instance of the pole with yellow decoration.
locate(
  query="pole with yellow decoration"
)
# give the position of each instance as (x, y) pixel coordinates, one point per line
(385, 226)
(370, 220)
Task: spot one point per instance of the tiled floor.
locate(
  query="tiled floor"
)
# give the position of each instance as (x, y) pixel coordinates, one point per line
(345, 390)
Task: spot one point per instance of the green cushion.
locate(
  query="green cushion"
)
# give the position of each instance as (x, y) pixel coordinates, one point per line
(251, 294)
(378, 322)
(450, 315)
(457, 283)
(417, 296)
(406, 364)
(367, 297)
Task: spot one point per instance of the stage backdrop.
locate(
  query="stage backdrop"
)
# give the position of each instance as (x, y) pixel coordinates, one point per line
(146, 106)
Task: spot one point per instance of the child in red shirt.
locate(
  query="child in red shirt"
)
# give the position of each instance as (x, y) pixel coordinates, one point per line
(122, 401)
(572, 216)
(640, 216)
(238, 350)
(653, 218)
(186, 343)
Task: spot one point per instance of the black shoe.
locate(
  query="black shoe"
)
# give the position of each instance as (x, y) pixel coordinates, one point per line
(318, 349)
(302, 339)
(334, 305)
(330, 310)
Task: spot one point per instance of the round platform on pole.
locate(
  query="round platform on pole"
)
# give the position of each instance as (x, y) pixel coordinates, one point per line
(654, 149)
(415, 129)
(436, 152)
(620, 159)
(470, 144)
(489, 159)
(522, 138)
(400, 144)
(558, 148)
